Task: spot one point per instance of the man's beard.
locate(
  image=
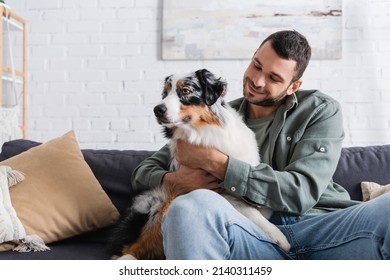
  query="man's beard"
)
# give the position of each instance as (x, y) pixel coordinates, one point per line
(267, 101)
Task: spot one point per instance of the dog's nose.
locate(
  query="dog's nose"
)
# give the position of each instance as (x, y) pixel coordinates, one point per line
(160, 110)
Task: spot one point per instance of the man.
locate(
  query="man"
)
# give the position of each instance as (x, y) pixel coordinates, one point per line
(300, 137)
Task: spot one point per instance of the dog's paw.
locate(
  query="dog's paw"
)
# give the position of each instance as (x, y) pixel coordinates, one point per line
(127, 257)
(277, 236)
(283, 243)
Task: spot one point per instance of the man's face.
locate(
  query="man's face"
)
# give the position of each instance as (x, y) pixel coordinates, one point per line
(268, 78)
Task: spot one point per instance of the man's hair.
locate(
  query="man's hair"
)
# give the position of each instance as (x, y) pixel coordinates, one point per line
(290, 44)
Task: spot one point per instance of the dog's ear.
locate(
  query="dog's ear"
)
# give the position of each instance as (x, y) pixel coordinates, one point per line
(212, 87)
(167, 86)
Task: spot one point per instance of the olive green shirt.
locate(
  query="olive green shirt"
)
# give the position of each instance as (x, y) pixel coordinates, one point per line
(262, 128)
(305, 141)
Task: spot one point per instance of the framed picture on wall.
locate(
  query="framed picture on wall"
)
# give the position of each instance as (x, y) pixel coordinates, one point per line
(227, 29)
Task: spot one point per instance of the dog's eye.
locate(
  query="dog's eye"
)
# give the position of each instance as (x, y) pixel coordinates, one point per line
(185, 91)
(164, 94)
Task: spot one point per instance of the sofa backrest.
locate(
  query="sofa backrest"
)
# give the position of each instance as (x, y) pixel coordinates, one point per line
(357, 164)
(113, 168)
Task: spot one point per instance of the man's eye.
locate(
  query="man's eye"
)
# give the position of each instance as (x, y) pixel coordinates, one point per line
(274, 79)
(258, 67)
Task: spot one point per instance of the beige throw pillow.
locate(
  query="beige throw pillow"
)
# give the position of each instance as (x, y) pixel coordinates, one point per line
(370, 190)
(60, 196)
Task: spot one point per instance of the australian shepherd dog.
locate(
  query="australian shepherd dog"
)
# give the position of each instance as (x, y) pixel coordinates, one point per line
(192, 109)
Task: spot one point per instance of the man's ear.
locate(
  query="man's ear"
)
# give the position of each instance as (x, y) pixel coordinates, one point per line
(294, 87)
(212, 87)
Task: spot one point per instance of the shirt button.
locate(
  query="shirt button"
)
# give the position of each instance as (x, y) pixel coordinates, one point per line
(288, 138)
(233, 189)
(322, 149)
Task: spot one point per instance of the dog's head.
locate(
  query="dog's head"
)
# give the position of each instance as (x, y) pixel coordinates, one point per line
(190, 100)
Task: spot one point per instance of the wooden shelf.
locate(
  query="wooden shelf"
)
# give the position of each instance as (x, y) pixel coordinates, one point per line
(13, 23)
(17, 24)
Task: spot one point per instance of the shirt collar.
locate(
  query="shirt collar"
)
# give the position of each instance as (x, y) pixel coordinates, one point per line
(291, 101)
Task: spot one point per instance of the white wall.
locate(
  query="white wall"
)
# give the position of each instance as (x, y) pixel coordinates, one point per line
(95, 66)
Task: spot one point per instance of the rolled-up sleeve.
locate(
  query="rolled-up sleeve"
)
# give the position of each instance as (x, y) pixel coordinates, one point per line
(150, 172)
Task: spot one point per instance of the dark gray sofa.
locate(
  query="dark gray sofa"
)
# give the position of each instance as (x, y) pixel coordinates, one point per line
(113, 170)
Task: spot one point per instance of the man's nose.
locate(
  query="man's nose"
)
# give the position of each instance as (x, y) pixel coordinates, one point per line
(259, 80)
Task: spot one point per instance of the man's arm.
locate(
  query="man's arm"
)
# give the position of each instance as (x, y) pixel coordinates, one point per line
(153, 172)
(150, 172)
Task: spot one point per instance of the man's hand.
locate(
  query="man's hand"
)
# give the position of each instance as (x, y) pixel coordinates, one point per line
(187, 179)
(198, 157)
(200, 168)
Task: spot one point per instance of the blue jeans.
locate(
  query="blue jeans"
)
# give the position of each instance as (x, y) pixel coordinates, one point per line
(203, 225)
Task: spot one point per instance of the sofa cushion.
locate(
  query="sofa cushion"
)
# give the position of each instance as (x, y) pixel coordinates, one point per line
(60, 197)
(70, 249)
(357, 164)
